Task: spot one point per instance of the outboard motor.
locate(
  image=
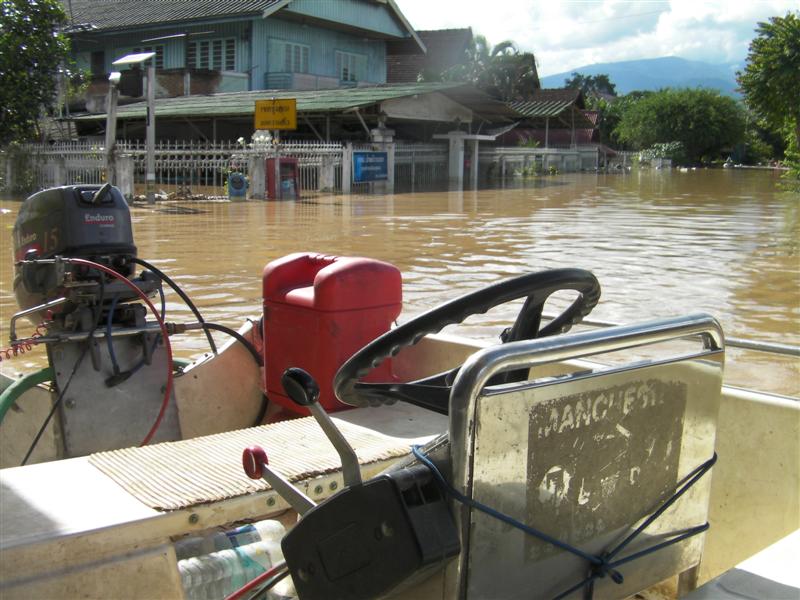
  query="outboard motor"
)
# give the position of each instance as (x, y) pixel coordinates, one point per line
(74, 251)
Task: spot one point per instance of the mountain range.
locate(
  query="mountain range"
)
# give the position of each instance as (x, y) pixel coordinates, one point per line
(657, 73)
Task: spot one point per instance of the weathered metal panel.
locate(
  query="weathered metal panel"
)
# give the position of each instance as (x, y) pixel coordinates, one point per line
(174, 48)
(583, 461)
(372, 16)
(323, 44)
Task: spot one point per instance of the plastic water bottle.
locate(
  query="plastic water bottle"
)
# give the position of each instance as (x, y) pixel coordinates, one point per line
(223, 540)
(217, 573)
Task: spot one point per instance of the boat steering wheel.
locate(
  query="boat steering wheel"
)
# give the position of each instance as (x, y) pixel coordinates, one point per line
(434, 392)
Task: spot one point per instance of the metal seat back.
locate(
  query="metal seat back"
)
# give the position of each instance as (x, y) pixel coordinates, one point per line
(583, 457)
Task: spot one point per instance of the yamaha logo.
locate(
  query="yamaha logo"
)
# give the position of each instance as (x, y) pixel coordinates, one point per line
(98, 219)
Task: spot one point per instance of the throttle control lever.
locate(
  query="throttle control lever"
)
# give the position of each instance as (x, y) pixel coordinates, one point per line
(256, 466)
(368, 539)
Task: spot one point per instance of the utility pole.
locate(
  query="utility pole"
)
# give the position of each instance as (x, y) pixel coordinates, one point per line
(151, 132)
(138, 59)
(111, 127)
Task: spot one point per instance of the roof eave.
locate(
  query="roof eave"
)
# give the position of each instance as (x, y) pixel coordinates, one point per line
(407, 25)
(270, 10)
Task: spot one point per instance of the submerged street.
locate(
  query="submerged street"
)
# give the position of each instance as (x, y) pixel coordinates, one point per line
(661, 243)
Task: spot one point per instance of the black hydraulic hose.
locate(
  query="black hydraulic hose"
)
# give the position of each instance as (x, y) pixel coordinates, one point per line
(240, 338)
(166, 279)
(262, 411)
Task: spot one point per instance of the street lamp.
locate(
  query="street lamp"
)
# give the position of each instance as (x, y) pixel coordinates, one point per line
(137, 59)
(111, 127)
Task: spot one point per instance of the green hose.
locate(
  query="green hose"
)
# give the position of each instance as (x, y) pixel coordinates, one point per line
(20, 386)
(12, 393)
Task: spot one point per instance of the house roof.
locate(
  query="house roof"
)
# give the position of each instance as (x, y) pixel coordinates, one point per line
(114, 15)
(446, 48)
(123, 14)
(242, 104)
(554, 137)
(547, 103)
(561, 104)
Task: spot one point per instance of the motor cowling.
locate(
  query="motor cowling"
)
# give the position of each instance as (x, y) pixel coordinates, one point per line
(75, 221)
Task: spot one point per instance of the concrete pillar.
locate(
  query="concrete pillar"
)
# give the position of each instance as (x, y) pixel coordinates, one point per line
(257, 169)
(383, 138)
(60, 171)
(413, 169)
(546, 132)
(456, 159)
(327, 179)
(125, 170)
(347, 167)
(276, 175)
(390, 150)
(474, 169)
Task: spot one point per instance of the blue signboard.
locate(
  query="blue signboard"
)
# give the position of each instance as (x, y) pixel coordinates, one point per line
(370, 166)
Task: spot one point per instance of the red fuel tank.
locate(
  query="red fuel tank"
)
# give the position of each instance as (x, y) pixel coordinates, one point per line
(318, 311)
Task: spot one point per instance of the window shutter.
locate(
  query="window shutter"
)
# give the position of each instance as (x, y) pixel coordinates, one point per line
(216, 54)
(230, 54)
(191, 55)
(203, 62)
(277, 56)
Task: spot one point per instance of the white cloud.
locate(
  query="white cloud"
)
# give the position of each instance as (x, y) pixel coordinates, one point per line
(568, 34)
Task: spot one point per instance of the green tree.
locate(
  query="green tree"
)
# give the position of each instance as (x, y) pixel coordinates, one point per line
(32, 50)
(501, 70)
(770, 82)
(610, 111)
(592, 85)
(705, 122)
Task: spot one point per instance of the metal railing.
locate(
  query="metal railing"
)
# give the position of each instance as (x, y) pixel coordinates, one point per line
(183, 169)
(732, 342)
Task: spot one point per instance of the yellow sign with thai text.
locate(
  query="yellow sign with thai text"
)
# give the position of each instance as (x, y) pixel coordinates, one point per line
(276, 113)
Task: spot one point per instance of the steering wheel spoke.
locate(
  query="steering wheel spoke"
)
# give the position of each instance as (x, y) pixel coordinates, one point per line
(434, 392)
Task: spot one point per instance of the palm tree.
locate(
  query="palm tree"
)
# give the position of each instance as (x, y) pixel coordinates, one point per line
(501, 70)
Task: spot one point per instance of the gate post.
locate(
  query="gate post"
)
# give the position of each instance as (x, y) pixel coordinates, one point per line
(257, 169)
(124, 174)
(347, 167)
(326, 174)
(390, 149)
(60, 171)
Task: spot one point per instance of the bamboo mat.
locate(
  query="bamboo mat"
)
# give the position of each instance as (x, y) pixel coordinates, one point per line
(175, 475)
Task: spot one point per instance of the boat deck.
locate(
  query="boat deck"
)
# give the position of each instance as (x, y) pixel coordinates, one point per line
(70, 515)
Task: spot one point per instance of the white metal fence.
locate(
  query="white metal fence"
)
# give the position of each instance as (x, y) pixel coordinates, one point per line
(182, 169)
(185, 169)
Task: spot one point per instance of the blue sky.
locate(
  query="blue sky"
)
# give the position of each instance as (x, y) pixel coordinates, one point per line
(568, 34)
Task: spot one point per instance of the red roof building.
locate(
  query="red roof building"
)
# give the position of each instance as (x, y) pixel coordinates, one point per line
(446, 48)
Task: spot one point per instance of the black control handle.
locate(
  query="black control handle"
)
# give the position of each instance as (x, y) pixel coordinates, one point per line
(300, 386)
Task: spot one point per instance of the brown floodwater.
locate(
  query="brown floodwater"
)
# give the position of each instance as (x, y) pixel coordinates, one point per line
(726, 242)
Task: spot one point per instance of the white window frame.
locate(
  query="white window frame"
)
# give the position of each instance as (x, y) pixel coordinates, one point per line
(157, 48)
(216, 54)
(347, 66)
(296, 57)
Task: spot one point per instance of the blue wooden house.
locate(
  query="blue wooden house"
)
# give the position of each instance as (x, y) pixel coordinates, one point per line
(207, 46)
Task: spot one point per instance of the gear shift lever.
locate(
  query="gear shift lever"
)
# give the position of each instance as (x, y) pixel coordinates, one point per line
(304, 391)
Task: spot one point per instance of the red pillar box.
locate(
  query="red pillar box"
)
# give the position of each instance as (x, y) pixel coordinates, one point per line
(288, 187)
(318, 311)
